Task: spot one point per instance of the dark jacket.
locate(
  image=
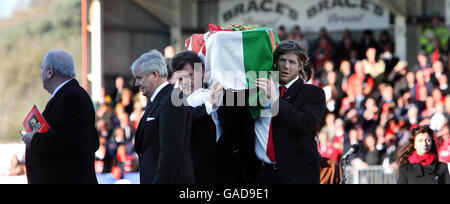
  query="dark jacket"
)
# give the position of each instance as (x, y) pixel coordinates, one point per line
(163, 142)
(435, 173)
(66, 153)
(236, 161)
(203, 143)
(301, 110)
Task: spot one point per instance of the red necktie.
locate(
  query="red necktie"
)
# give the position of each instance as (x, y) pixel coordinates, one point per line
(270, 152)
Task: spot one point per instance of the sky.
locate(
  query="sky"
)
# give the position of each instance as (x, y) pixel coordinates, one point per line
(7, 7)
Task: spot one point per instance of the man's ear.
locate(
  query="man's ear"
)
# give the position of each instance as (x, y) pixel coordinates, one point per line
(50, 72)
(155, 75)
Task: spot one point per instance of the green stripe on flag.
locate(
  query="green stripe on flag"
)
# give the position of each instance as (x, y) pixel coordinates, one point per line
(258, 56)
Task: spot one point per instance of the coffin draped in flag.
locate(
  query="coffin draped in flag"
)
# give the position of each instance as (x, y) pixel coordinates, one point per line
(237, 58)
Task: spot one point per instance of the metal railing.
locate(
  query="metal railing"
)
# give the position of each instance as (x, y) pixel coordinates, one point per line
(371, 175)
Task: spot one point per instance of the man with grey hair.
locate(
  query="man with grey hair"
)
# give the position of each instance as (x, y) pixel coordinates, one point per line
(163, 136)
(64, 154)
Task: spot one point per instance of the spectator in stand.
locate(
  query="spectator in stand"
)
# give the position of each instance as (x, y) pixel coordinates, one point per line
(333, 93)
(117, 93)
(403, 133)
(104, 99)
(282, 33)
(429, 109)
(443, 143)
(435, 32)
(367, 42)
(328, 66)
(443, 85)
(351, 119)
(329, 128)
(411, 81)
(422, 62)
(371, 116)
(419, 160)
(103, 160)
(124, 121)
(136, 115)
(438, 54)
(389, 154)
(359, 86)
(373, 66)
(117, 139)
(412, 116)
(421, 89)
(345, 47)
(404, 103)
(354, 57)
(357, 159)
(372, 154)
(387, 96)
(379, 134)
(104, 112)
(169, 51)
(103, 128)
(338, 139)
(438, 119)
(127, 100)
(326, 147)
(118, 110)
(125, 161)
(437, 72)
(344, 74)
(360, 80)
(397, 78)
(389, 58)
(170, 77)
(296, 36)
(437, 96)
(323, 52)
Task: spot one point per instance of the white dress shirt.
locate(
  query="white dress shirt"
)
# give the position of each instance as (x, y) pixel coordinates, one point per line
(160, 87)
(262, 126)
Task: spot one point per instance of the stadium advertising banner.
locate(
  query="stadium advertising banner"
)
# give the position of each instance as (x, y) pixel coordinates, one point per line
(310, 15)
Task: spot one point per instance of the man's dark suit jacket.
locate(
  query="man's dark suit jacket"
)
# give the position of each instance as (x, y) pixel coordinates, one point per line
(301, 110)
(163, 142)
(203, 143)
(236, 161)
(224, 161)
(66, 153)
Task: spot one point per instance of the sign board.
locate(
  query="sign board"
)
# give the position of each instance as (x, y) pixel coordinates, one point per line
(310, 15)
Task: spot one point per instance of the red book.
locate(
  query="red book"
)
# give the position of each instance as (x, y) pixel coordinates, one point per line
(35, 122)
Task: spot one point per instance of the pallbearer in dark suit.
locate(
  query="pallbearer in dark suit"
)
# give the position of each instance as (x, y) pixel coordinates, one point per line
(66, 153)
(163, 135)
(285, 141)
(189, 72)
(219, 142)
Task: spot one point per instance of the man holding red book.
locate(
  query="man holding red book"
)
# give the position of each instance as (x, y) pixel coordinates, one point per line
(64, 153)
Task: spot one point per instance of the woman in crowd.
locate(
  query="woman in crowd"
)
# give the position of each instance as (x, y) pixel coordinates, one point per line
(418, 160)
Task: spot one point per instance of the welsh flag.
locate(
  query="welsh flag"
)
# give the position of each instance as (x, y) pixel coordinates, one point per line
(236, 58)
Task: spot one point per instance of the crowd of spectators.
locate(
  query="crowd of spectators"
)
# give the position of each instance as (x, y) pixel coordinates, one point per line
(374, 99)
(117, 117)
